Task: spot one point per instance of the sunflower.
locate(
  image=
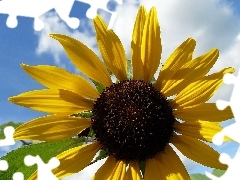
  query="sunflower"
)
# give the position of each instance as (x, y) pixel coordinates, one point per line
(134, 119)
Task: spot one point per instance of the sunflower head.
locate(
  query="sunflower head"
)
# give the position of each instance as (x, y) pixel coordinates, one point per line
(133, 119)
(132, 115)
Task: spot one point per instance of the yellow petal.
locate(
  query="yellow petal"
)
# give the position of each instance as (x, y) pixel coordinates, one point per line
(151, 47)
(119, 172)
(206, 111)
(176, 60)
(104, 172)
(189, 72)
(200, 91)
(84, 59)
(111, 49)
(111, 170)
(75, 159)
(137, 63)
(51, 128)
(154, 171)
(133, 172)
(197, 151)
(58, 78)
(55, 101)
(202, 130)
(174, 168)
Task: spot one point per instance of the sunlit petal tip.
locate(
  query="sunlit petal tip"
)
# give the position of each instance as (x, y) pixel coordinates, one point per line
(142, 9)
(53, 35)
(216, 50)
(11, 99)
(191, 40)
(23, 65)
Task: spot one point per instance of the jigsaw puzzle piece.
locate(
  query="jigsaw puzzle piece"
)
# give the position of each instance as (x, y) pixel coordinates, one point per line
(44, 170)
(3, 165)
(8, 132)
(94, 6)
(63, 9)
(232, 130)
(103, 5)
(18, 176)
(234, 102)
(36, 8)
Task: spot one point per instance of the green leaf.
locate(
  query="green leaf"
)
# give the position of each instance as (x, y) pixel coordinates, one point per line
(15, 125)
(218, 172)
(102, 154)
(92, 133)
(153, 81)
(99, 86)
(85, 114)
(46, 150)
(142, 166)
(198, 177)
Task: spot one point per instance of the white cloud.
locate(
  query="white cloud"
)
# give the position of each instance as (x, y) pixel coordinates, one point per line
(211, 23)
(53, 24)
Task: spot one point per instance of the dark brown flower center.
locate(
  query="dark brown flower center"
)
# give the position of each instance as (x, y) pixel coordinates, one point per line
(132, 120)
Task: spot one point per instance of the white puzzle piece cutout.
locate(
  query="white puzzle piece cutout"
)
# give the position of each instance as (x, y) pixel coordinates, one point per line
(36, 8)
(8, 132)
(3, 165)
(232, 131)
(44, 170)
(18, 176)
(101, 4)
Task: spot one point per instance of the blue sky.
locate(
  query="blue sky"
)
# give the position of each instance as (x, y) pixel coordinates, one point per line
(213, 23)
